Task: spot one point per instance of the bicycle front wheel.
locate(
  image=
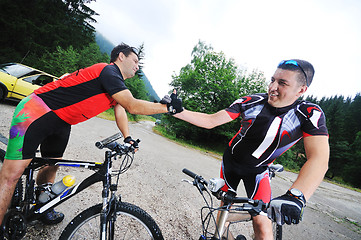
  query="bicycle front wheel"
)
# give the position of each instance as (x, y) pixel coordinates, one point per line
(131, 222)
(277, 231)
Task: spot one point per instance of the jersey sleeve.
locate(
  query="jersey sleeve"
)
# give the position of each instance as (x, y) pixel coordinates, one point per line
(112, 80)
(240, 105)
(315, 123)
(234, 110)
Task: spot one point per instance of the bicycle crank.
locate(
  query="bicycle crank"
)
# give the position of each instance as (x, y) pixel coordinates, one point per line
(15, 225)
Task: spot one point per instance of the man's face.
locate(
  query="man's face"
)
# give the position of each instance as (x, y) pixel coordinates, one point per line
(284, 89)
(129, 65)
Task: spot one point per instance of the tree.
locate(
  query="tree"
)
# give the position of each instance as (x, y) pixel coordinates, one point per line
(210, 83)
(137, 87)
(29, 28)
(352, 170)
(353, 118)
(69, 60)
(343, 123)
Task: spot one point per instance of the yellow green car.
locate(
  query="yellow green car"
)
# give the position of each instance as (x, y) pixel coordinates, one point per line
(18, 81)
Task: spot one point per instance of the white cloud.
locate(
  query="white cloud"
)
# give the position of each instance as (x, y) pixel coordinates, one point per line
(257, 34)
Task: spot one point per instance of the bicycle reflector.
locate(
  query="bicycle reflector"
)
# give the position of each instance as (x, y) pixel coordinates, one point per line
(215, 184)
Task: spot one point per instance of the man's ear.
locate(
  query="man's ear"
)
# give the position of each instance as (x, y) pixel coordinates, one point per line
(121, 56)
(302, 90)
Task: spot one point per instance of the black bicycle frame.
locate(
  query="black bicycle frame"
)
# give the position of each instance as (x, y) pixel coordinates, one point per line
(102, 175)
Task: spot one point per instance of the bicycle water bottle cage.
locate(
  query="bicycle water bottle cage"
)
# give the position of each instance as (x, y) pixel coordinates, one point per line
(42, 188)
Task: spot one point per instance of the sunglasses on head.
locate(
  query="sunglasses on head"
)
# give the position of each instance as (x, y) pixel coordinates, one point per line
(294, 63)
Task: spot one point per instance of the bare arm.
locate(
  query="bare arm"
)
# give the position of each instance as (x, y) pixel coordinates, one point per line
(137, 106)
(313, 171)
(121, 119)
(204, 120)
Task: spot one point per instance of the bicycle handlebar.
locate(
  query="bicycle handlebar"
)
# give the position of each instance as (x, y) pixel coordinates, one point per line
(101, 144)
(111, 144)
(192, 174)
(228, 197)
(232, 203)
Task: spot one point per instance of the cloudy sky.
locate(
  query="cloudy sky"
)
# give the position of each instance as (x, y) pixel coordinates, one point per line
(256, 34)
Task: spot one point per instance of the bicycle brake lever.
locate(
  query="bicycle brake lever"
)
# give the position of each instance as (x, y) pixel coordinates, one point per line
(187, 181)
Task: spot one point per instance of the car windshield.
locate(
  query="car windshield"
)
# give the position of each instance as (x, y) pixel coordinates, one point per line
(16, 70)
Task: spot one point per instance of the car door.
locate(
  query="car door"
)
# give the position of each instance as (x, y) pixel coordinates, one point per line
(26, 85)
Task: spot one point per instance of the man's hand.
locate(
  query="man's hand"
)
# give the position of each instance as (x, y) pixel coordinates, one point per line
(129, 140)
(287, 208)
(174, 104)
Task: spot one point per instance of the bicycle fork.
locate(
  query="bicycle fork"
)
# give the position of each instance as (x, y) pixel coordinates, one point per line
(109, 205)
(108, 217)
(103, 220)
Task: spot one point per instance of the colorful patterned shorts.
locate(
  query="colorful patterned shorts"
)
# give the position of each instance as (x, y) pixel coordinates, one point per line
(35, 124)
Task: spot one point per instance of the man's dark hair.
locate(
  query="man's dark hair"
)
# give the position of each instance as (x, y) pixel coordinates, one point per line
(124, 48)
(304, 68)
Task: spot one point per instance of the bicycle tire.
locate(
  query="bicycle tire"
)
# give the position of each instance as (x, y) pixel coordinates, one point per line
(131, 222)
(277, 231)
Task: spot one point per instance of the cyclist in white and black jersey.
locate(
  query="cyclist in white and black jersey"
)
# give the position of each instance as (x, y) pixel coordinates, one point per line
(272, 123)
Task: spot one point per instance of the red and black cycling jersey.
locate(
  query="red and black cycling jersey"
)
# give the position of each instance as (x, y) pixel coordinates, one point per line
(266, 132)
(83, 94)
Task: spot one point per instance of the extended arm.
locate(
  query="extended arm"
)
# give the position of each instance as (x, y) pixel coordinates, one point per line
(137, 106)
(204, 120)
(313, 171)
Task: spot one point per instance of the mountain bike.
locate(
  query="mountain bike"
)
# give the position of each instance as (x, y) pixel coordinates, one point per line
(235, 209)
(111, 219)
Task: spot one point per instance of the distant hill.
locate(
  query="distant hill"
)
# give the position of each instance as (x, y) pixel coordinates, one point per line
(152, 94)
(106, 46)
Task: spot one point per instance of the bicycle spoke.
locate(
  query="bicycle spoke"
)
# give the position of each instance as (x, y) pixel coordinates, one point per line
(130, 223)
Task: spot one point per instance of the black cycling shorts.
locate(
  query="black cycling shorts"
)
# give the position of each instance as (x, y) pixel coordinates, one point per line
(256, 181)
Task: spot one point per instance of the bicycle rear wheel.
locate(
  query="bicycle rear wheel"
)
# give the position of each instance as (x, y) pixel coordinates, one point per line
(277, 231)
(131, 223)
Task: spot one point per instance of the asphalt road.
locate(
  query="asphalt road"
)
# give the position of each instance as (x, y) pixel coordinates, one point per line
(154, 183)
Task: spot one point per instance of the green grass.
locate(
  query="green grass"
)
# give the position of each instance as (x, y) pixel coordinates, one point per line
(109, 115)
(341, 183)
(209, 150)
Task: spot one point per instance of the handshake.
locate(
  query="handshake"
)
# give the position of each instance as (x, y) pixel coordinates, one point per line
(174, 104)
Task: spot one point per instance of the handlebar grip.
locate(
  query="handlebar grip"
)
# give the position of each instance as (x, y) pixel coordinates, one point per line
(103, 143)
(189, 173)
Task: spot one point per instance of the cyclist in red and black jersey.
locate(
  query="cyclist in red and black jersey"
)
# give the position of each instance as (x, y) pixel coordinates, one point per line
(272, 123)
(45, 117)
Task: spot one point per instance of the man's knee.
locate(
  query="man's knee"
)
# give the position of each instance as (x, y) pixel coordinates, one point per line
(12, 170)
(262, 227)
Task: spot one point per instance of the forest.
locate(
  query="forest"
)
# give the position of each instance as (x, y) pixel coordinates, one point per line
(57, 36)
